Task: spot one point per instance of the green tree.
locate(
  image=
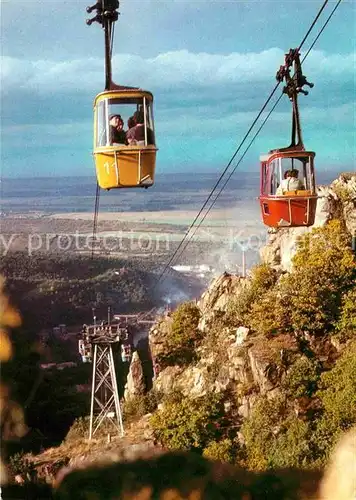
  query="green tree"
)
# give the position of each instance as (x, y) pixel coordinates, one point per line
(338, 390)
(310, 298)
(222, 451)
(324, 269)
(183, 337)
(188, 424)
(346, 324)
(337, 395)
(274, 436)
(260, 428)
(303, 377)
(263, 279)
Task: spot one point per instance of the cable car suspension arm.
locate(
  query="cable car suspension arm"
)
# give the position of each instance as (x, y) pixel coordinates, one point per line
(294, 86)
(106, 15)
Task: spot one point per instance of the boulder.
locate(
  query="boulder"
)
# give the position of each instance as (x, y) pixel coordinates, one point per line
(135, 384)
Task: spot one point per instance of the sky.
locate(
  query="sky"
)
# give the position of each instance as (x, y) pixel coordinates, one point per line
(210, 65)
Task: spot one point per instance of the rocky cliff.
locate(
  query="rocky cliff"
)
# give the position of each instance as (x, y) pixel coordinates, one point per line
(272, 336)
(230, 358)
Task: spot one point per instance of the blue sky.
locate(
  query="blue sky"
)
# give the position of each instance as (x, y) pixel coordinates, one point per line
(210, 65)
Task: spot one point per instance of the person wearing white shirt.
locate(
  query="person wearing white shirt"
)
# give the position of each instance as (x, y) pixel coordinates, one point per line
(290, 183)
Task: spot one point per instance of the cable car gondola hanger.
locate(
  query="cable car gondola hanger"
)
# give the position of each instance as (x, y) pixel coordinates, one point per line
(122, 159)
(287, 200)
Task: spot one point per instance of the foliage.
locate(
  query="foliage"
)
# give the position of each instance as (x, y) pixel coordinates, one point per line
(259, 430)
(274, 436)
(188, 424)
(222, 451)
(138, 406)
(79, 430)
(302, 379)
(324, 269)
(185, 325)
(62, 288)
(346, 324)
(338, 390)
(184, 335)
(291, 445)
(310, 298)
(215, 341)
(343, 192)
(268, 315)
(20, 465)
(263, 278)
(337, 395)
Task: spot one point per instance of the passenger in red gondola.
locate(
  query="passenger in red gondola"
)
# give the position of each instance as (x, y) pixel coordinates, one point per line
(290, 182)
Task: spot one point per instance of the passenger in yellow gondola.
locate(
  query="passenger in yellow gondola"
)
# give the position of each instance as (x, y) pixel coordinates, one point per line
(290, 182)
(130, 123)
(117, 133)
(121, 131)
(136, 134)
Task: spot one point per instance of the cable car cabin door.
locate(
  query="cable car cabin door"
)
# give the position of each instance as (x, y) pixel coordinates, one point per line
(124, 159)
(288, 201)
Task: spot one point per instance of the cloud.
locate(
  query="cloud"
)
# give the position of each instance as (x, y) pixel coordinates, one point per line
(203, 102)
(175, 69)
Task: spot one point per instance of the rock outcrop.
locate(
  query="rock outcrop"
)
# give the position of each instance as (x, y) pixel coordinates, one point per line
(135, 385)
(229, 360)
(217, 296)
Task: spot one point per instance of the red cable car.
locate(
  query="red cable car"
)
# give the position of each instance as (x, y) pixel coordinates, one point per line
(287, 192)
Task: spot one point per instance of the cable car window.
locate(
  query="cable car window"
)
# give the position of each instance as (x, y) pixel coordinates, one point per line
(303, 167)
(295, 174)
(274, 169)
(129, 121)
(265, 179)
(100, 125)
(150, 122)
(308, 175)
(292, 164)
(310, 180)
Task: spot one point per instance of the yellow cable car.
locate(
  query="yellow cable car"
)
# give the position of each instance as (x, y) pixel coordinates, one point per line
(124, 160)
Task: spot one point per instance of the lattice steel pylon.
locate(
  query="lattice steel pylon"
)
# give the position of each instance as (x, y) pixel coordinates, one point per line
(95, 345)
(105, 403)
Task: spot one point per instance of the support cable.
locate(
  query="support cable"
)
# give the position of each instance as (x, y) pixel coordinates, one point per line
(218, 182)
(230, 175)
(95, 220)
(312, 25)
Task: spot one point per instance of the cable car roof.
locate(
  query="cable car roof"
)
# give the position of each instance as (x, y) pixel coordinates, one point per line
(286, 153)
(123, 91)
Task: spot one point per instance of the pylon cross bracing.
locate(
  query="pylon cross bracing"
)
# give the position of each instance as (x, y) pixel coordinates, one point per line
(105, 403)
